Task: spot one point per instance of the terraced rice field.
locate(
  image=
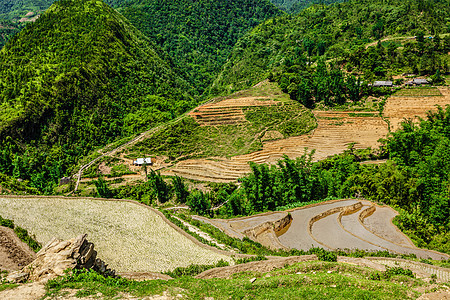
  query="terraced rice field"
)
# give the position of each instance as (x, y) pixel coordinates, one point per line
(343, 224)
(128, 236)
(334, 133)
(415, 105)
(228, 111)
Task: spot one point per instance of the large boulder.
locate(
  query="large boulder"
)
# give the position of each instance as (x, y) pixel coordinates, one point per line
(57, 256)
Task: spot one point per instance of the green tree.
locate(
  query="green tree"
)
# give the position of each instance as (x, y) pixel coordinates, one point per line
(180, 189)
(199, 202)
(160, 187)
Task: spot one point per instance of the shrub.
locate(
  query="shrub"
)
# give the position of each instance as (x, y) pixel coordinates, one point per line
(193, 270)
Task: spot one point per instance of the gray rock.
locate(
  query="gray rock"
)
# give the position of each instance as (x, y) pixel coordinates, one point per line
(17, 277)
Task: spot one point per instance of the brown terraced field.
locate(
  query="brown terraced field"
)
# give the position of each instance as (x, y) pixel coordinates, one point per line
(332, 225)
(334, 133)
(414, 104)
(336, 130)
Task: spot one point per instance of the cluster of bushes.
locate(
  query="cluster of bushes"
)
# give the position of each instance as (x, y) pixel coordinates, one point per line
(390, 272)
(327, 85)
(193, 270)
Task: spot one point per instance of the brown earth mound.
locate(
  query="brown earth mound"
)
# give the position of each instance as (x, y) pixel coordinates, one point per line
(14, 254)
(256, 266)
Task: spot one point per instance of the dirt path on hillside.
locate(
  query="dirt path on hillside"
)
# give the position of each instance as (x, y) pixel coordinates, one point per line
(14, 253)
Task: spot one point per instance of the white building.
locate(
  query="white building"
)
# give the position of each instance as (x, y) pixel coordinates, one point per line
(142, 161)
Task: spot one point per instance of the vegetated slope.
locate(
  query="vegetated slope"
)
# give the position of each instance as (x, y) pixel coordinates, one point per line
(15, 8)
(286, 278)
(7, 31)
(293, 43)
(198, 35)
(14, 14)
(295, 6)
(128, 236)
(14, 253)
(79, 77)
(234, 125)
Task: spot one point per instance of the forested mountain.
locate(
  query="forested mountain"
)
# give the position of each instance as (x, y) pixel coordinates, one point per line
(292, 44)
(79, 77)
(15, 14)
(14, 8)
(198, 35)
(11, 11)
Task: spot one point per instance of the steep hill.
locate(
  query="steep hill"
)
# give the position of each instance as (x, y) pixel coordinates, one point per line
(75, 79)
(15, 8)
(198, 35)
(340, 31)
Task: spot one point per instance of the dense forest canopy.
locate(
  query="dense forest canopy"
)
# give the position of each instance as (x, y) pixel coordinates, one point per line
(295, 6)
(16, 8)
(198, 35)
(76, 79)
(329, 32)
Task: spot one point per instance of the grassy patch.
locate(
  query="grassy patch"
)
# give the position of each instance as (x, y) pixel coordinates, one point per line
(291, 119)
(418, 92)
(309, 280)
(186, 139)
(7, 286)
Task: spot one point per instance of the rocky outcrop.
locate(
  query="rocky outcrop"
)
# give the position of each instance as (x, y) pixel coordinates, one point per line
(57, 256)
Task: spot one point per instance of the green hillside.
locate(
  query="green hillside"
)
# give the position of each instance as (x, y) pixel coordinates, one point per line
(16, 8)
(293, 44)
(12, 11)
(75, 79)
(198, 35)
(295, 6)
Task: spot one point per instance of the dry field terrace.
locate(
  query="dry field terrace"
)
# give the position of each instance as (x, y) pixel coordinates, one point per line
(128, 236)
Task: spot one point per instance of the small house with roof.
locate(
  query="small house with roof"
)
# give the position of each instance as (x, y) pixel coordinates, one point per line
(143, 161)
(419, 81)
(383, 84)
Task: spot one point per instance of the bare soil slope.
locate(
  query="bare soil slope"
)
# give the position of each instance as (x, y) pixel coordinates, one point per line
(14, 254)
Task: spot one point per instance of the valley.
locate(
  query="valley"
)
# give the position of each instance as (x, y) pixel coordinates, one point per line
(235, 149)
